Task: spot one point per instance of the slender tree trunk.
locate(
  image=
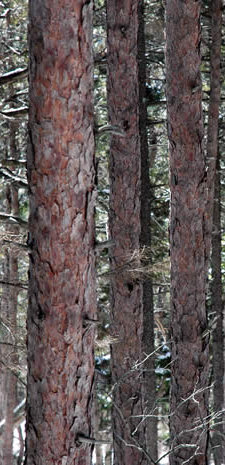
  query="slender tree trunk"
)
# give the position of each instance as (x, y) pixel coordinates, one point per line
(213, 110)
(149, 382)
(189, 390)
(11, 360)
(214, 225)
(10, 314)
(11, 356)
(9, 419)
(61, 178)
(9, 387)
(124, 225)
(9, 303)
(218, 341)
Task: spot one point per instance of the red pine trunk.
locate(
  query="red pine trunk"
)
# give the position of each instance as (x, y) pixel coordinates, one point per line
(189, 394)
(62, 265)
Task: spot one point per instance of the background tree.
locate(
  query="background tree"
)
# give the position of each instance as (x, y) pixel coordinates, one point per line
(189, 382)
(214, 204)
(125, 229)
(61, 175)
(13, 111)
(217, 318)
(12, 345)
(149, 379)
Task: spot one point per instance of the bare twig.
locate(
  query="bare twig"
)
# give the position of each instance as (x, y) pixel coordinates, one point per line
(96, 442)
(14, 113)
(10, 219)
(13, 162)
(109, 129)
(12, 76)
(8, 174)
(8, 283)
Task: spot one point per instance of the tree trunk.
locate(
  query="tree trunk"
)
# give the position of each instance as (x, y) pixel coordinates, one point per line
(214, 105)
(11, 355)
(124, 226)
(61, 177)
(214, 206)
(218, 341)
(149, 381)
(8, 315)
(189, 390)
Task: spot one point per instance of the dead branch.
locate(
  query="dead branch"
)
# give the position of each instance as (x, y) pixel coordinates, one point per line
(13, 162)
(18, 245)
(10, 219)
(14, 113)
(8, 283)
(96, 442)
(17, 180)
(11, 76)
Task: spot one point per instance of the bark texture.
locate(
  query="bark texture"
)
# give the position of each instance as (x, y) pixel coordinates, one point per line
(124, 225)
(149, 381)
(214, 225)
(8, 393)
(61, 178)
(9, 315)
(218, 340)
(11, 357)
(189, 394)
(213, 110)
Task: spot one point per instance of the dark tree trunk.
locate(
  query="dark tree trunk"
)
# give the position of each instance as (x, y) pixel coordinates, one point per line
(10, 311)
(149, 382)
(214, 225)
(61, 178)
(189, 391)
(8, 315)
(218, 340)
(124, 224)
(213, 110)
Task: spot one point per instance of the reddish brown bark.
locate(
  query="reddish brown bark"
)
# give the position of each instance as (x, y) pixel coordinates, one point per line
(124, 224)
(187, 235)
(62, 265)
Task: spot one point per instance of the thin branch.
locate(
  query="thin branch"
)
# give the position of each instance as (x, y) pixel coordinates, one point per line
(8, 174)
(14, 113)
(8, 283)
(13, 372)
(16, 347)
(110, 129)
(11, 76)
(96, 442)
(16, 244)
(10, 219)
(13, 162)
